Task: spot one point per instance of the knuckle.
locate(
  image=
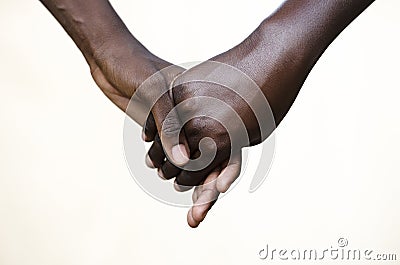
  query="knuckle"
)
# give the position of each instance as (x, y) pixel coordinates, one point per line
(171, 126)
(189, 105)
(179, 92)
(189, 109)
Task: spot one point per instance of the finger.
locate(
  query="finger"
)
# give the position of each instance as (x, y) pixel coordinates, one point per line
(149, 129)
(155, 156)
(230, 173)
(190, 220)
(182, 188)
(160, 174)
(196, 193)
(206, 198)
(205, 202)
(169, 170)
(185, 180)
(169, 128)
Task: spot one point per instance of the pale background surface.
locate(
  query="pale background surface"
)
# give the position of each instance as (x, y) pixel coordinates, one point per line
(66, 196)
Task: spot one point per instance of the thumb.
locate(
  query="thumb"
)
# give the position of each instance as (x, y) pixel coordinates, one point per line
(170, 130)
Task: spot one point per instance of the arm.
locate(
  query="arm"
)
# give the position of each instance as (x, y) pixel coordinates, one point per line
(92, 25)
(278, 56)
(281, 52)
(310, 27)
(119, 63)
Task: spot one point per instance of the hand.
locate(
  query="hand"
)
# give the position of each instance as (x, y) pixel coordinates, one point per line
(119, 64)
(277, 71)
(280, 54)
(277, 56)
(208, 119)
(119, 69)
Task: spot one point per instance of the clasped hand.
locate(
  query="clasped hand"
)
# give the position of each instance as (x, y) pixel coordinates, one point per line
(198, 119)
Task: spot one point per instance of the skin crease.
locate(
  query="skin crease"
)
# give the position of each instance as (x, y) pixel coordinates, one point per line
(278, 56)
(118, 62)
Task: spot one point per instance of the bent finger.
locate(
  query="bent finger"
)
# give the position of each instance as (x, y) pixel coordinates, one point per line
(155, 156)
(206, 196)
(169, 128)
(230, 173)
(149, 129)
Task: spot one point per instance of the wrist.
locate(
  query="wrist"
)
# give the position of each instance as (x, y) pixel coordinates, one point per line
(278, 61)
(104, 41)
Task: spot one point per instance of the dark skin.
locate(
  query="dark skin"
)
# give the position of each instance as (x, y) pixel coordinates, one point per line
(119, 63)
(278, 56)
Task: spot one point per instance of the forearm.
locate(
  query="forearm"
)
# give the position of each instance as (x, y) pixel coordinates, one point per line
(310, 26)
(286, 46)
(92, 24)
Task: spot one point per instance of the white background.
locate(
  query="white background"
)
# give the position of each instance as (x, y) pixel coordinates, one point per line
(66, 196)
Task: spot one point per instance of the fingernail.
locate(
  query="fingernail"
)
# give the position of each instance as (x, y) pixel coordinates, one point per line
(161, 174)
(177, 187)
(180, 155)
(181, 188)
(149, 163)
